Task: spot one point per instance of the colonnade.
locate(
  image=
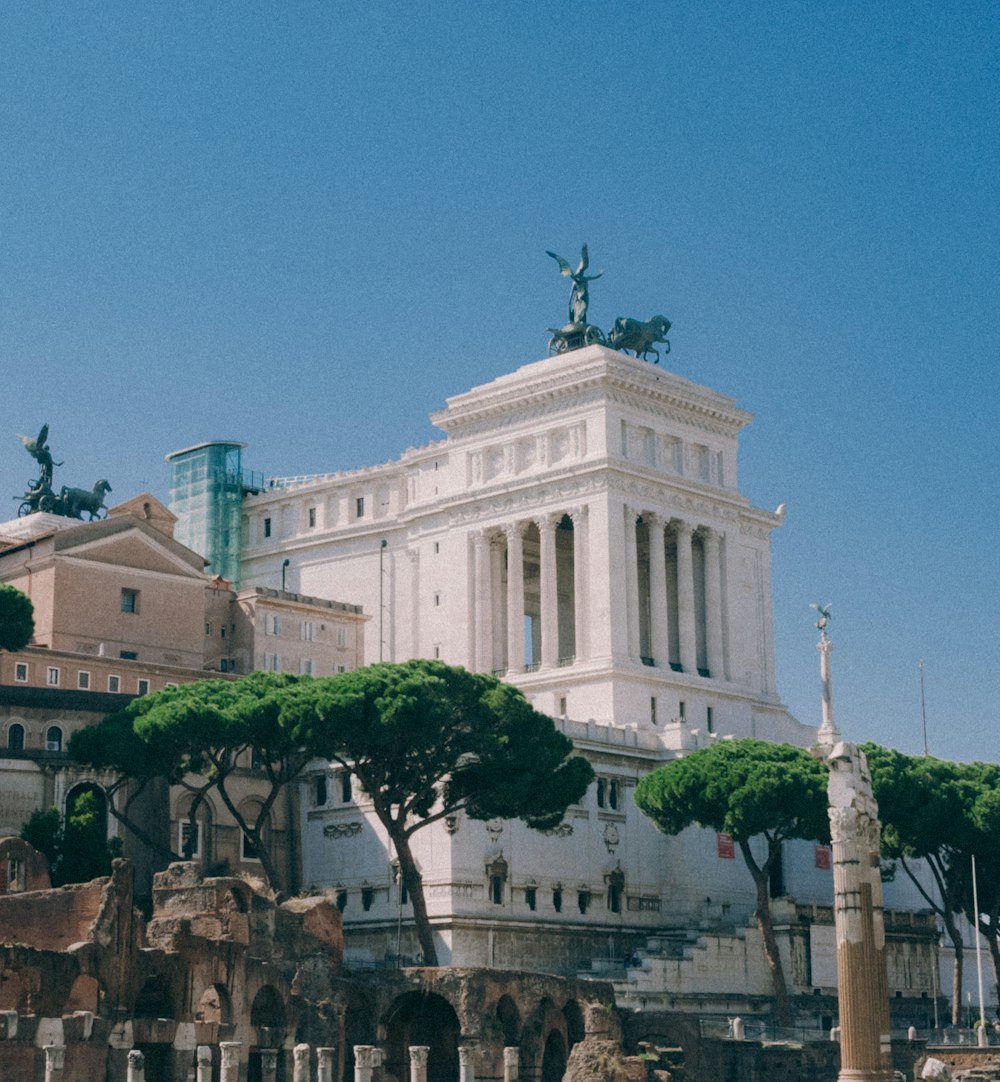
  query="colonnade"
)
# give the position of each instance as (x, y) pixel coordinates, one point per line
(541, 587)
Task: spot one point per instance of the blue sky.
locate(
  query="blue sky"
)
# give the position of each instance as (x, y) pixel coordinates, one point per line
(304, 225)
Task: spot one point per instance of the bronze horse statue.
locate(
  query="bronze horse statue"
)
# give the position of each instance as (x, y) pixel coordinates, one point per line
(640, 337)
(75, 501)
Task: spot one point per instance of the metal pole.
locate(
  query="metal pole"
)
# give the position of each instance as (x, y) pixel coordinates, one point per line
(923, 705)
(979, 954)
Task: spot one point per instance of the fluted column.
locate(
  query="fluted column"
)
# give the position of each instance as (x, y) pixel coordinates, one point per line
(713, 604)
(515, 598)
(418, 1062)
(549, 591)
(366, 1059)
(482, 606)
(685, 599)
(659, 626)
(467, 1063)
(511, 1063)
(581, 578)
(268, 1064)
(230, 1070)
(631, 583)
(326, 1064)
(204, 1057)
(136, 1069)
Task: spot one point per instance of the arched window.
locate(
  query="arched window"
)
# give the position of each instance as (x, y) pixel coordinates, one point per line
(15, 737)
(54, 738)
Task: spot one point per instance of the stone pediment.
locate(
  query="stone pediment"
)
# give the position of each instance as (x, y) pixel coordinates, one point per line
(135, 546)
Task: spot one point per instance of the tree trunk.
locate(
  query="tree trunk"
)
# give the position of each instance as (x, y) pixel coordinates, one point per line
(415, 888)
(956, 982)
(782, 1011)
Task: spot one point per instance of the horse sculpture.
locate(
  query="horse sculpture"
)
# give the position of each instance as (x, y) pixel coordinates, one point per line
(640, 337)
(75, 501)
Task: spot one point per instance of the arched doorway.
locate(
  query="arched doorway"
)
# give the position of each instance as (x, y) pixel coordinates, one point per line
(419, 1019)
(554, 1058)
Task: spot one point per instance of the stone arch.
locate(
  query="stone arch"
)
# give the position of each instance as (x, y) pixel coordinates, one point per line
(154, 1000)
(268, 1008)
(509, 1019)
(15, 736)
(545, 1020)
(84, 995)
(214, 1005)
(427, 1019)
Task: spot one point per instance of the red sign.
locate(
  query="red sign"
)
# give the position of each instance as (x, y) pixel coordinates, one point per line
(823, 857)
(725, 847)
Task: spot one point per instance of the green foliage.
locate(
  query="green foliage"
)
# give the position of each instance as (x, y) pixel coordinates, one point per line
(78, 850)
(426, 739)
(743, 788)
(17, 618)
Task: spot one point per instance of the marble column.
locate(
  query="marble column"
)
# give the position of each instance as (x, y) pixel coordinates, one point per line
(659, 629)
(631, 583)
(366, 1059)
(136, 1069)
(467, 1063)
(685, 599)
(515, 598)
(204, 1058)
(482, 604)
(580, 582)
(549, 591)
(268, 1064)
(55, 1055)
(511, 1063)
(713, 604)
(326, 1064)
(418, 1062)
(230, 1071)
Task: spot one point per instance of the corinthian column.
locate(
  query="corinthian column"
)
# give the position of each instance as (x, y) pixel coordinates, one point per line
(483, 607)
(467, 1063)
(549, 591)
(713, 604)
(685, 599)
(366, 1059)
(230, 1068)
(515, 598)
(418, 1062)
(631, 583)
(659, 628)
(204, 1073)
(581, 576)
(326, 1062)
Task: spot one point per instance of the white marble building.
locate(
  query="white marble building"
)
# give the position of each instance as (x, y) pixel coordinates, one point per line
(581, 533)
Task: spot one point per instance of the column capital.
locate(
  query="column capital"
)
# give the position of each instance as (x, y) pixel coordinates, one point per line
(514, 529)
(682, 527)
(578, 513)
(511, 1056)
(269, 1060)
(366, 1056)
(230, 1053)
(467, 1054)
(547, 523)
(419, 1054)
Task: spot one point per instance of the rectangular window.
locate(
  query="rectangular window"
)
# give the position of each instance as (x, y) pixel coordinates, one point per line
(562, 706)
(222, 632)
(613, 798)
(208, 628)
(341, 668)
(367, 898)
(130, 601)
(272, 624)
(437, 651)
(496, 889)
(311, 516)
(583, 900)
(186, 834)
(306, 666)
(531, 898)
(345, 788)
(83, 681)
(342, 637)
(709, 719)
(437, 601)
(307, 631)
(681, 709)
(267, 527)
(359, 507)
(319, 790)
(21, 672)
(437, 547)
(114, 684)
(128, 655)
(652, 710)
(557, 899)
(142, 687)
(602, 787)
(52, 677)
(272, 663)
